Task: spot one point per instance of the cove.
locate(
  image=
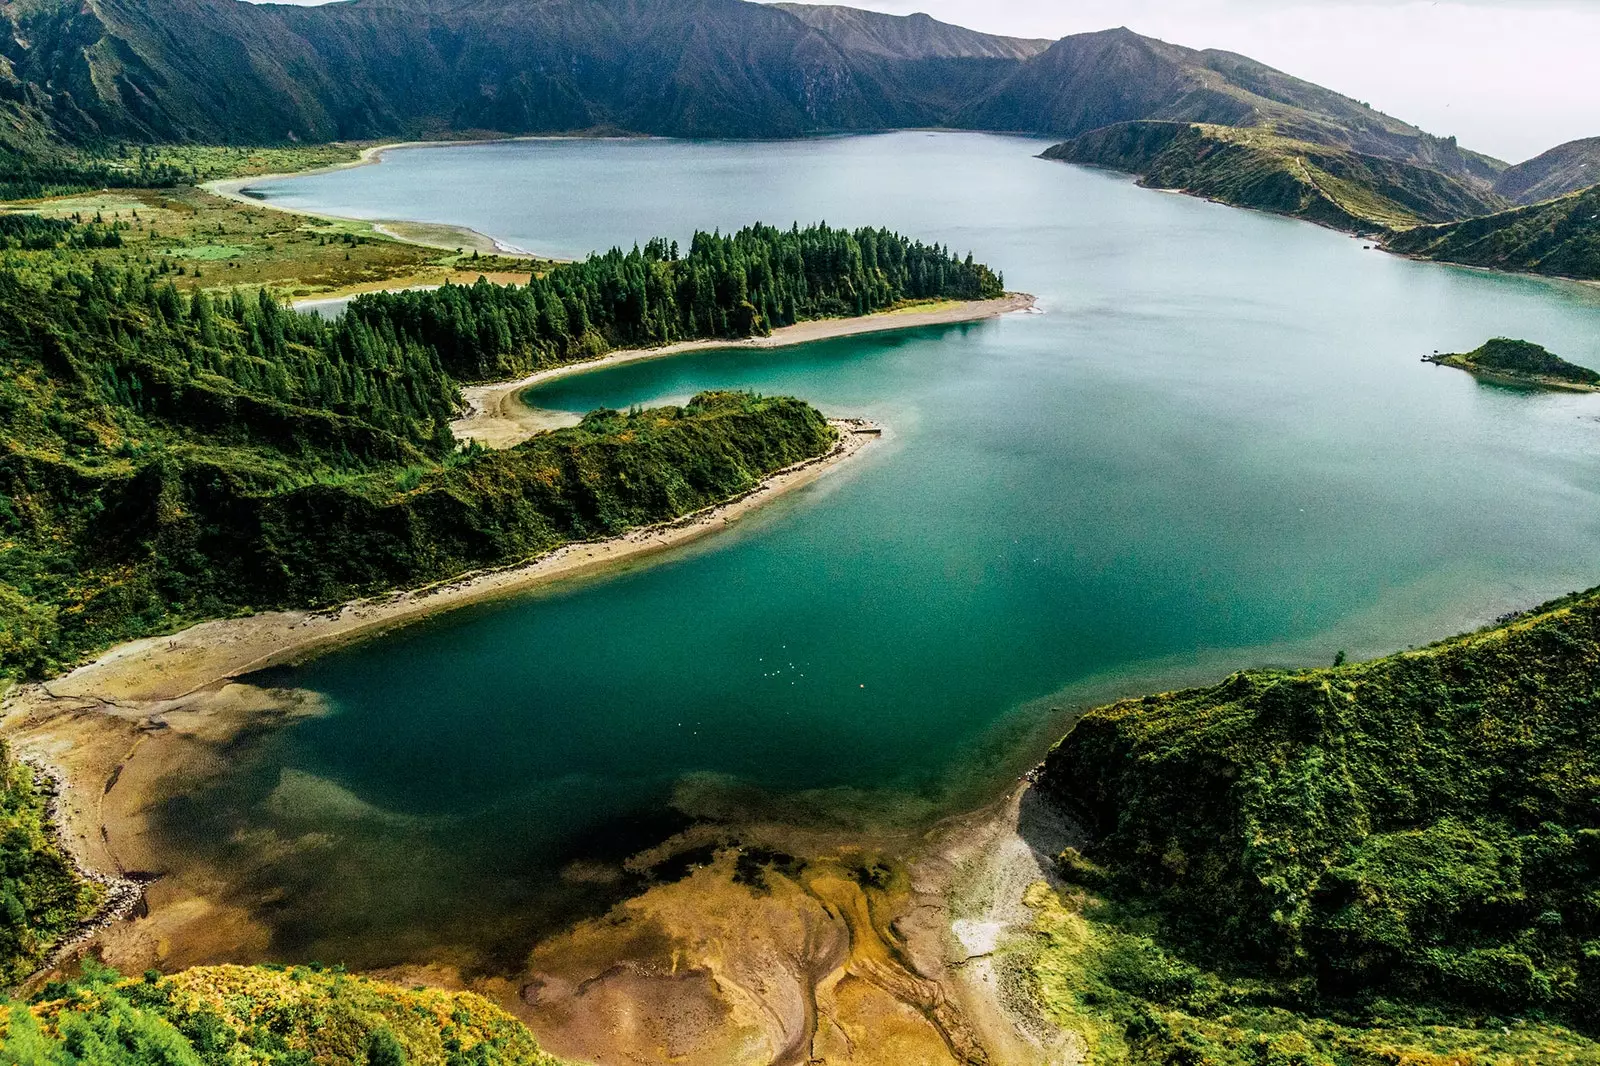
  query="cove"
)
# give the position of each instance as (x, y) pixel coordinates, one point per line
(1217, 448)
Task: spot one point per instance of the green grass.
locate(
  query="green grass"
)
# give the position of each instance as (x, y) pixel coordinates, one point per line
(41, 896)
(1560, 238)
(1097, 970)
(1258, 168)
(1515, 360)
(1398, 851)
(258, 1016)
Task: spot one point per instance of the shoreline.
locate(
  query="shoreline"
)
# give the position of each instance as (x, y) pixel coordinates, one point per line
(1511, 378)
(497, 418)
(107, 737)
(448, 237)
(172, 667)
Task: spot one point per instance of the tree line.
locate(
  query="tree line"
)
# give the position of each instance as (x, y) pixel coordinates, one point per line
(727, 286)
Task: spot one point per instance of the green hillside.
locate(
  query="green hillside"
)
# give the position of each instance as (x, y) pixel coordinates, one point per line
(1560, 238)
(1259, 168)
(1091, 81)
(1521, 362)
(42, 898)
(97, 74)
(259, 1016)
(1566, 168)
(170, 457)
(1398, 854)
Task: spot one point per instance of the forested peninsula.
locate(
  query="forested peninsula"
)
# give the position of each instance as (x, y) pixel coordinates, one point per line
(172, 458)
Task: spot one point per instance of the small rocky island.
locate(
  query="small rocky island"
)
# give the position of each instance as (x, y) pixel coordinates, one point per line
(1516, 362)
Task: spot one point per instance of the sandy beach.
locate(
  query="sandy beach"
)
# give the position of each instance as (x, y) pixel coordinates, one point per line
(497, 417)
(116, 733)
(159, 669)
(439, 235)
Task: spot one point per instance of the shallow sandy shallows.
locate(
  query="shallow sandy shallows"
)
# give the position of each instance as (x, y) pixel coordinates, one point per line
(154, 716)
(871, 947)
(497, 417)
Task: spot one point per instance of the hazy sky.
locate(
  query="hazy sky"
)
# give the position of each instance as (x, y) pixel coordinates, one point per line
(1508, 77)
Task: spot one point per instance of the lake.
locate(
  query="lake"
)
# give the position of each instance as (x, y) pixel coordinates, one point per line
(1216, 448)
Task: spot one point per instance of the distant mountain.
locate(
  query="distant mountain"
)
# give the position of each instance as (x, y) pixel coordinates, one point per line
(1563, 169)
(1559, 237)
(97, 72)
(1093, 80)
(909, 36)
(1256, 167)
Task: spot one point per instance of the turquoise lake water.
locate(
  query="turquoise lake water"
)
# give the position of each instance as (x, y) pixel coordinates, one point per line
(1216, 448)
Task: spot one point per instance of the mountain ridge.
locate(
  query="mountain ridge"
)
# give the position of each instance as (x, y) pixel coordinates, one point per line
(916, 36)
(1564, 169)
(98, 73)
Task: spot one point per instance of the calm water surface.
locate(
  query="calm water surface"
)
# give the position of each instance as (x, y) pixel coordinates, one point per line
(1217, 448)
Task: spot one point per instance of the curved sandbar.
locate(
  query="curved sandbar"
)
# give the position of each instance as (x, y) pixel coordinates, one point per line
(439, 235)
(167, 668)
(497, 418)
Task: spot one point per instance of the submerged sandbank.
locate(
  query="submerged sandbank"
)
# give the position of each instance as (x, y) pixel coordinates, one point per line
(497, 418)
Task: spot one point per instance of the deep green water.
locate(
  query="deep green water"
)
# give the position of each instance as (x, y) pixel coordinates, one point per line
(1217, 448)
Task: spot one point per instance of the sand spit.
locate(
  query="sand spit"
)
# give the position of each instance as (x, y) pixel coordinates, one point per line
(497, 418)
(167, 668)
(438, 235)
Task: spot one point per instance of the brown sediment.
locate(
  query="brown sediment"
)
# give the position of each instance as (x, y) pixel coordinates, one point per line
(877, 947)
(152, 717)
(799, 964)
(497, 418)
(115, 761)
(978, 935)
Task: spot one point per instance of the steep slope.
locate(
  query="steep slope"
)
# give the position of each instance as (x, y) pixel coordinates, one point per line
(1093, 80)
(98, 72)
(1260, 169)
(1559, 237)
(1565, 168)
(222, 70)
(916, 36)
(1411, 832)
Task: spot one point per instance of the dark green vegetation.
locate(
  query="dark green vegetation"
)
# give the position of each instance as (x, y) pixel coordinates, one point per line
(1405, 847)
(1560, 238)
(196, 240)
(35, 164)
(258, 1016)
(96, 73)
(1566, 168)
(736, 286)
(1520, 361)
(26, 177)
(171, 458)
(1258, 168)
(41, 896)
